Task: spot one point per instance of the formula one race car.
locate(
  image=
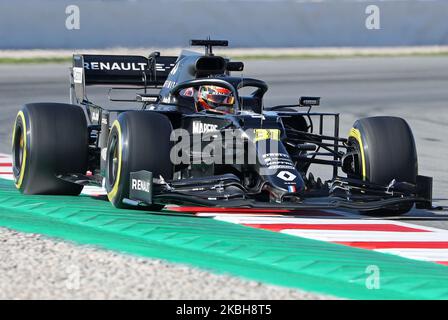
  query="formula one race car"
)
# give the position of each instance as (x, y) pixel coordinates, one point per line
(204, 137)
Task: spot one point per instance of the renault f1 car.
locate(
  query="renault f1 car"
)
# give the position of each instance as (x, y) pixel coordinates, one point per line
(169, 152)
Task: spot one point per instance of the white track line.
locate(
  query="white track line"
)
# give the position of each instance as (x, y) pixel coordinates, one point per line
(222, 216)
(6, 171)
(7, 159)
(419, 254)
(425, 235)
(245, 219)
(368, 236)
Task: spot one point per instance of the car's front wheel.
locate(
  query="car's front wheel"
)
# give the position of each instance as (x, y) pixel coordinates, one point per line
(138, 140)
(386, 151)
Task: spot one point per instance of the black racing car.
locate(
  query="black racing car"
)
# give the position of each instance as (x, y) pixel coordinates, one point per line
(204, 137)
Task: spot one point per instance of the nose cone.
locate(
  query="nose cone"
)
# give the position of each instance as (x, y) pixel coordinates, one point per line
(283, 181)
(276, 167)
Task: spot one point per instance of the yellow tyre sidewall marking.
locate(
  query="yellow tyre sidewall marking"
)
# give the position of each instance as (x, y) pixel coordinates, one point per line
(20, 115)
(354, 133)
(112, 194)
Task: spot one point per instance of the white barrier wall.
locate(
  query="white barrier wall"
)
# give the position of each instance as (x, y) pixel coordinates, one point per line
(246, 23)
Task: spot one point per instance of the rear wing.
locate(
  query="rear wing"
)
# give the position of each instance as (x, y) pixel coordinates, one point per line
(118, 71)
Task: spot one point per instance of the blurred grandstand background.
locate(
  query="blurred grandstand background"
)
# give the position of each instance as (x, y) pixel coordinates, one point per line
(30, 24)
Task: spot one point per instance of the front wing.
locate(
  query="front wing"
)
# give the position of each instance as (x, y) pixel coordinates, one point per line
(144, 192)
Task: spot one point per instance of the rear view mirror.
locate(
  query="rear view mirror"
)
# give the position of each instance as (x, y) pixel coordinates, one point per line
(235, 66)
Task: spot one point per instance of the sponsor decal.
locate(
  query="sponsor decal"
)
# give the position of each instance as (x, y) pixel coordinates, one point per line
(199, 127)
(95, 116)
(267, 134)
(286, 176)
(77, 74)
(166, 99)
(276, 161)
(169, 84)
(140, 185)
(148, 99)
(120, 66)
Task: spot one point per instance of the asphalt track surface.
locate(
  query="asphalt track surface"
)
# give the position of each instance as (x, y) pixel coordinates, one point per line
(412, 88)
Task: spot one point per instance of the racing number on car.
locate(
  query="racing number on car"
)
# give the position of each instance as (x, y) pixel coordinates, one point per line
(266, 134)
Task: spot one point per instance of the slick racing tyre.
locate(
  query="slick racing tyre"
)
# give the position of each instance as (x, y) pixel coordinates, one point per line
(386, 151)
(138, 140)
(49, 139)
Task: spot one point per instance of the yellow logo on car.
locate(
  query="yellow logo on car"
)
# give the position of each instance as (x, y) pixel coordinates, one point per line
(267, 134)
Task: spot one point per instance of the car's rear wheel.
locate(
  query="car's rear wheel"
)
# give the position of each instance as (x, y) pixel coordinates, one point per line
(386, 151)
(138, 140)
(49, 139)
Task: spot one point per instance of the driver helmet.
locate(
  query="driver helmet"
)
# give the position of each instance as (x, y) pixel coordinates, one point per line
(215, 98)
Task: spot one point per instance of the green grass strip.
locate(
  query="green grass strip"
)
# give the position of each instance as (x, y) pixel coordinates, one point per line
(222, 247)
(35, 60)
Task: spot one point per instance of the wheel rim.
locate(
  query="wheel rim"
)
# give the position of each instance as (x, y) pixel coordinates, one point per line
(355, 147)
(18, 149)
(112, 164)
